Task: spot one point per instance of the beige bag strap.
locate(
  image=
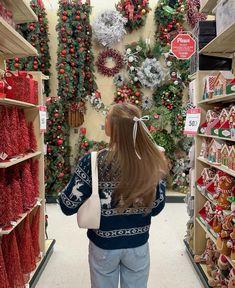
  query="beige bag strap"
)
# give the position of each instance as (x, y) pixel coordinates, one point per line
(94, 173)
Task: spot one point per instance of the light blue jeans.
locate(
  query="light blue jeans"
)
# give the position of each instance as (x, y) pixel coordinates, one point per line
(132, 264)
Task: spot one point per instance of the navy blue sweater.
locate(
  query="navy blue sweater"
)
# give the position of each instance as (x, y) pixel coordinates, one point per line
(118, 230)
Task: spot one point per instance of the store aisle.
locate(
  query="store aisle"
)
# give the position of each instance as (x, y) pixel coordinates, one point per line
(170, 267)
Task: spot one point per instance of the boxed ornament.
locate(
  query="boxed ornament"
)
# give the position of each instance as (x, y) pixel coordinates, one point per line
(208, 81)
(214, 152)
(230, 88)
(223, 79)
(225, 15)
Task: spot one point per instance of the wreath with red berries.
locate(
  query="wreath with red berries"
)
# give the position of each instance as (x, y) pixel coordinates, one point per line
(102, 60)
(135, 11)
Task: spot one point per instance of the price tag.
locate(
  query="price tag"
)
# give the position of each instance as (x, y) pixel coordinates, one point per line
(43, 118)
(192, 121)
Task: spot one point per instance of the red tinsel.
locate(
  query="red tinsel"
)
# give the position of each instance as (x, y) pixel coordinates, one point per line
(15, 184)
(6, 211)
(12, 260)
(193, 14)
(32, 138)
(35, 175)
(27, 186)
(3, 274)
(102, 58)
(5, 135)
(26, 250)
(24, 132)
(13, 128)
(35, 234)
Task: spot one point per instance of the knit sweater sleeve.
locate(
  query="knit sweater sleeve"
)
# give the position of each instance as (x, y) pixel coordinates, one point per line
(78, 189)
(159, 203)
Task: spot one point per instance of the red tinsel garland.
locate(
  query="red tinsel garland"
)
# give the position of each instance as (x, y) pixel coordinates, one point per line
(12, 260)
(35, 234)
(3, 274)
(26, 250)
(102, 58)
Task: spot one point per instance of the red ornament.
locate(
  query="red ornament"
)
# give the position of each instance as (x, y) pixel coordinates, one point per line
(16, 59)
(72, 64)
(41, 29)
(65, 13)
(42, 49)
(64, 18)
(59, 127)
(56, 115)
(71, 50)
(35, 67)
(60, 142)
(61, 175)
(16, 65)
(63, 52)
(137, 94)
(64, 40)
(49, 149)
(77, 17)
(62, 71)
(31, 27)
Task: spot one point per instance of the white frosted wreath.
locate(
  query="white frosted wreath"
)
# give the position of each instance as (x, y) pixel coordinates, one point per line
(109, 28)
(151, 74)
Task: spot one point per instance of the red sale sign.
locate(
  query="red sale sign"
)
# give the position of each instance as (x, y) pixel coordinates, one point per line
(183, 46)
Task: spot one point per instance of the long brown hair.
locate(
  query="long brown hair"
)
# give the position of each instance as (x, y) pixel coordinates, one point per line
(137, 178)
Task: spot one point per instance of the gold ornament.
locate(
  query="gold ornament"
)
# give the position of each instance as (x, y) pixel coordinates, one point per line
(119, 93)
(143, 11)
(136, 101)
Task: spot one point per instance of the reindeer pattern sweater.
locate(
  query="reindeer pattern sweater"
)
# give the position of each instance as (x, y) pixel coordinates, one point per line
(118, 230)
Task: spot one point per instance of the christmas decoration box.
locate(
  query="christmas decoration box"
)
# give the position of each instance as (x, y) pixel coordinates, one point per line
(206, 214)
(224, 129)
(214, 152)
(231, 158)
(212, 120)
(225, 151)
(230, 88)
(224, 14)
(202, 128)
(208, 86)
(222, 80)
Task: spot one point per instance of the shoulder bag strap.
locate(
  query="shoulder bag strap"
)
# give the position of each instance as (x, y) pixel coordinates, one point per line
(94, 171)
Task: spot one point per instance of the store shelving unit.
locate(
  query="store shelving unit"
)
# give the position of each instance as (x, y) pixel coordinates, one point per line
(224, 46)
(12, 45)
(207, 6)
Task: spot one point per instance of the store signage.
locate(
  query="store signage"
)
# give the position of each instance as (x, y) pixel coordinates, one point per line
(43, 118)
(183, 46)
(192, 122)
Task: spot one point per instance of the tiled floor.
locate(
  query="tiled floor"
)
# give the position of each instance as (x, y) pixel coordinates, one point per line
(170, 267)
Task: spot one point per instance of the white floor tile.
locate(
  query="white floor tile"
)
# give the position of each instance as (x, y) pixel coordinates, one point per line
(170, 266)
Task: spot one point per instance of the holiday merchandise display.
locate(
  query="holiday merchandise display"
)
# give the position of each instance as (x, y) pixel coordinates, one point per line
(135, 11)
(75, 70)
(109, 28)
(86, 146)
(57, 140)
(193, 13)
(16, 143)
(102, 59)
(20, 86)
(128, 93)
(18, 256)
(6, 14)
(96, 102)
(36, 33)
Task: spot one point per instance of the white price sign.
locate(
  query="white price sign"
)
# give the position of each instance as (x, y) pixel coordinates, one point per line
(192, 121)
(43, 118)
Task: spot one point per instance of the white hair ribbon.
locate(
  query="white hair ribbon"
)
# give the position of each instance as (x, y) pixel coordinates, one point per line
(135, 127)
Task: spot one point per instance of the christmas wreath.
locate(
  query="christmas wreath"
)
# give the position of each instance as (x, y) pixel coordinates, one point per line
(109, 28)
(128, 93)
(151, 73)
(96, 102)
(102, 59)
(135, 11)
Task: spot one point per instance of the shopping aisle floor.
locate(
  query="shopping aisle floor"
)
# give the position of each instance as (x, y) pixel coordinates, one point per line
(170, 266)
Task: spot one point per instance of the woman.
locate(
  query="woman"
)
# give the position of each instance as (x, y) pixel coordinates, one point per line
(129, 172)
